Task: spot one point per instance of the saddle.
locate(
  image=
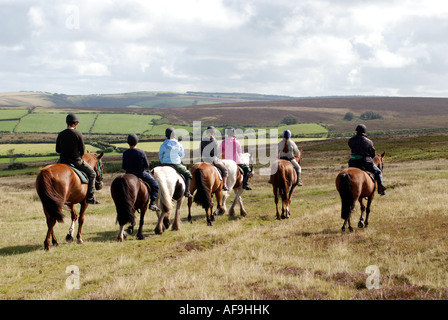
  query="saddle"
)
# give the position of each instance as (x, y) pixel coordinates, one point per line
(82, 176)
(371, 175)
(219, 172)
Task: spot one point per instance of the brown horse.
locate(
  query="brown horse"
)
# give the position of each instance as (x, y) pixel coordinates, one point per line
(130, 194)
(206, 182)
(284, 180)
(58, 185)
(353, 185)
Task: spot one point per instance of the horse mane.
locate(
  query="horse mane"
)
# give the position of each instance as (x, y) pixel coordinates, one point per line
(121, 191)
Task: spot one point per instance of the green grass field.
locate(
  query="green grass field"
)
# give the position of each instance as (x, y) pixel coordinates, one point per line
(12, 113)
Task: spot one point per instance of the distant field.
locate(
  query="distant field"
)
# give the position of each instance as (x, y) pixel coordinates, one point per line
(52, 122)
(12, 113)
(35, 148)
(7, 126)
(123, 123)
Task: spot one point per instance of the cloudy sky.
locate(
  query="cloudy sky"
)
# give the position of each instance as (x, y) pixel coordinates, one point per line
(283, 47)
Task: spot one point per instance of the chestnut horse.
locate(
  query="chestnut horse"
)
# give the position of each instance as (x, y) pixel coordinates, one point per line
(130, 194)
(284, 180)
(58, 185)
(353, 185)
(206, 181)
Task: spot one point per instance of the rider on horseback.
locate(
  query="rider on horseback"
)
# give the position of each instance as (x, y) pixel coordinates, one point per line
(210, 155)
(70, 146)
(135, 162)
(231, 149)
(362, 154)
(287, 151)
(170, 153)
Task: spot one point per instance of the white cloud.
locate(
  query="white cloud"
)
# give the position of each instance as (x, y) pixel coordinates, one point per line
(284, 47)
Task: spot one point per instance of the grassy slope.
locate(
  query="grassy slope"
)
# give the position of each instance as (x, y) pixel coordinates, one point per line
(257, 257)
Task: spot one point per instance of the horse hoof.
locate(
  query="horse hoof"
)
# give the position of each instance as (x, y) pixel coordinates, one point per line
(140, 237)
(130, 231)
(283, 216)
(79, 241)
(157, 231)
(120, 239)
(343, 229)
(69, 238)
(212, 218)
(210, 224)
(360, 225)
(350, 229)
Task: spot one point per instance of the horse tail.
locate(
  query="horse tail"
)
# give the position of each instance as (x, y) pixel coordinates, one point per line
(282, 184)
(346, 195)
(51, 200)
(166, 205)
(124, 201)
(203, 192)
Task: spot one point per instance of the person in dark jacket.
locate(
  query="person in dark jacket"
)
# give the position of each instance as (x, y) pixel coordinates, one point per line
(209, 152)
(362, 155)
(135, 162)
(70, 146)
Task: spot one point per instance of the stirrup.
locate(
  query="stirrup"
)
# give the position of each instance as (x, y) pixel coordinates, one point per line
(92, 200)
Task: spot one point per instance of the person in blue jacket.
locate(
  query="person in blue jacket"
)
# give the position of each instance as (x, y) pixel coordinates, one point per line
(135, 162)
(170, 153)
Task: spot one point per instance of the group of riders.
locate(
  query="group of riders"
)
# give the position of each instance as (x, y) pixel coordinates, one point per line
(70, 146)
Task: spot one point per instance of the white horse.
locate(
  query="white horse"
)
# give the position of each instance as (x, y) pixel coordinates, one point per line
(235, 183)
(171, 187)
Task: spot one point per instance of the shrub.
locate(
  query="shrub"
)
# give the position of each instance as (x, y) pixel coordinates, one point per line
(370, 115)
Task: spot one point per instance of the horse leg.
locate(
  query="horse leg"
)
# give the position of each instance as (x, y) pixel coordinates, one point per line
(81, 221)
(208, 214)
(140, 235)
(50, 232)
(190, 202)
(369, 202)
(176, 223)
(276, 202)
(225, 195)
(121, 234)
(71, 230)
(289, 201)
(219, 209)
(243, 212)
(361, 219)
(160, 228)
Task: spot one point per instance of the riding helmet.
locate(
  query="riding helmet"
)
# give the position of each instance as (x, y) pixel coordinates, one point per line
(361, 128)
(132, 140)
(231, 132)
(287, 134)
(71, 118)
(211, 130)
(170, 133)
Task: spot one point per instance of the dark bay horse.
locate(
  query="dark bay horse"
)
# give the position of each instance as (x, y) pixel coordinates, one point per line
(353, 185)
(130, 194)
(206, 182)
(58, 185)
(284, 180)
